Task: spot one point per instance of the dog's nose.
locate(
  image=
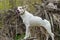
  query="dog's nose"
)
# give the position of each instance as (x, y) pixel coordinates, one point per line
(18, 11)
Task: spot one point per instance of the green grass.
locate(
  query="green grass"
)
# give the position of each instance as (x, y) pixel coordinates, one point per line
(19, 37)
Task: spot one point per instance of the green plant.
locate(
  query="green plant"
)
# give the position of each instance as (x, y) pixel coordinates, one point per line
(19, 37)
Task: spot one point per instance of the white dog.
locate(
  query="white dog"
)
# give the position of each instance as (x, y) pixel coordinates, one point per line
(30, 20)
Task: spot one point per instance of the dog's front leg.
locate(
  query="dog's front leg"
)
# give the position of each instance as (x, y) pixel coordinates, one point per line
(27, 31)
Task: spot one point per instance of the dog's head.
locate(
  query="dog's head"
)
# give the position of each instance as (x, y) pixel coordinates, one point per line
(21, 10)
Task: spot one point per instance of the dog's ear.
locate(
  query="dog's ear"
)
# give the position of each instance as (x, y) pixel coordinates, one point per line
(25, 7)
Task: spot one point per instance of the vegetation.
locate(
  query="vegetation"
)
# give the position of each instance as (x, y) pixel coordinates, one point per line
(9, 20)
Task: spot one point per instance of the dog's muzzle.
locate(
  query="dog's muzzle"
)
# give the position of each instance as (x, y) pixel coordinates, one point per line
(17, 11)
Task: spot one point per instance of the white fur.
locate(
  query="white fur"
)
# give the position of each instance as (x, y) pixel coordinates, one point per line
(30, 20)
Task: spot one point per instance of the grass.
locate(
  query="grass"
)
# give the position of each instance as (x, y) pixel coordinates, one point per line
(19, 37)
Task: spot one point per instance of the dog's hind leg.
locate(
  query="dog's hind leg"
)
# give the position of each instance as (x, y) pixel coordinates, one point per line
(47, 36)
(52, 35)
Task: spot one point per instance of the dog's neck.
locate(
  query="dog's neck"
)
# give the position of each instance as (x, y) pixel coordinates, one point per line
(24, 14)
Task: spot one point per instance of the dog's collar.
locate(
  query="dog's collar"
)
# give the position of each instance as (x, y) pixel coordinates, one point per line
(22, 13)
